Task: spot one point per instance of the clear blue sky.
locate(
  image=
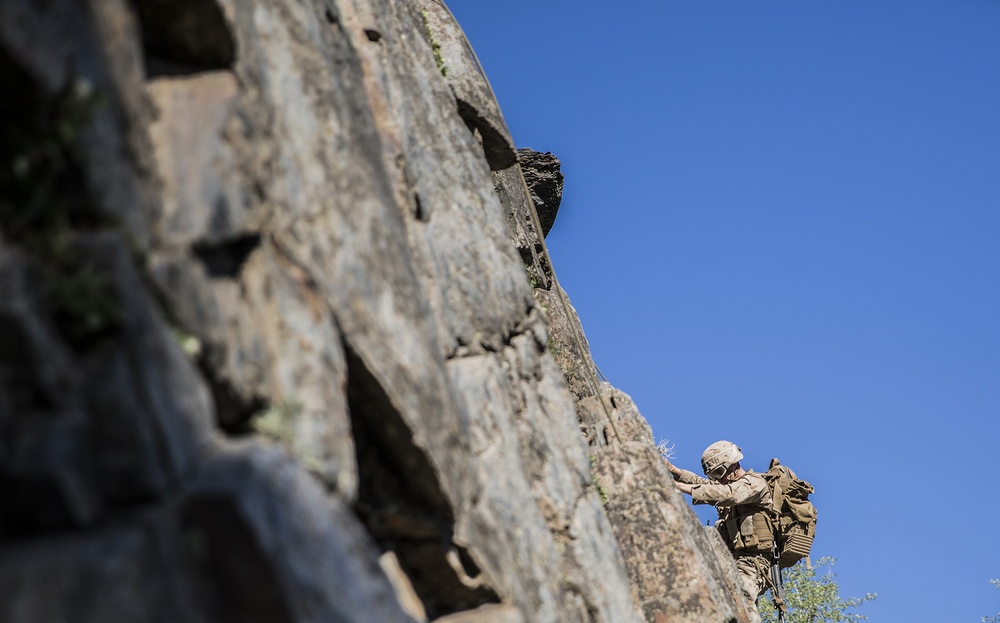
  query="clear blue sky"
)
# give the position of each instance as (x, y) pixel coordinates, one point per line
(781, 226)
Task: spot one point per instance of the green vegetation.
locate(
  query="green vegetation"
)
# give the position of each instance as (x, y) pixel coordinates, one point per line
(601, 491)
(435, 46)
(41, 178)
(188, 342)
(814, 598)
(533, 278)
(44, 200)
(85, 303)
(277, 422)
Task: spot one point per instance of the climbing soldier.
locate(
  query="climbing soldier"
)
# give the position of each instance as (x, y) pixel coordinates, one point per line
(743, 501)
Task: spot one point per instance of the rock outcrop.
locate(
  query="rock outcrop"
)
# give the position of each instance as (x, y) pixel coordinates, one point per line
(543, 175)
(279, 342)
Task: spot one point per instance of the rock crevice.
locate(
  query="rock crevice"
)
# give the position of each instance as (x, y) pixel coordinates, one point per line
(280, 341)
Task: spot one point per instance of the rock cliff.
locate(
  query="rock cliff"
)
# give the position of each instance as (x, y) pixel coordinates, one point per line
(279, 340)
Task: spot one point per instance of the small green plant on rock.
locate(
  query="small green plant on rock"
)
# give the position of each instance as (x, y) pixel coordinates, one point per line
(277, 422)
(188, 342)
(601, 491)
(533, 277)
(435, 46)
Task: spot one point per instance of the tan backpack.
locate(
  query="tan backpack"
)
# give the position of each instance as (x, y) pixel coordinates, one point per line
(794, 515)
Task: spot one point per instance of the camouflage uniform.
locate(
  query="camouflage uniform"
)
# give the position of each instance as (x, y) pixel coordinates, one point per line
(743, 523)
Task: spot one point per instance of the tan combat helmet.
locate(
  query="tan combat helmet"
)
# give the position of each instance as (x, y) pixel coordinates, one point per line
(719, 457)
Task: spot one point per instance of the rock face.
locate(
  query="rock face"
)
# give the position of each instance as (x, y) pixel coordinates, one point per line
(543, 175)
(270, 348)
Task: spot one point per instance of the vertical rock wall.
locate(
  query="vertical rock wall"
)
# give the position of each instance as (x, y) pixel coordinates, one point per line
(268, 348)
(678, 570)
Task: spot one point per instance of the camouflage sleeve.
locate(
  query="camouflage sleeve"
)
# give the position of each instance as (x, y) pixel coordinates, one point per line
(691, 478)
(750, 489)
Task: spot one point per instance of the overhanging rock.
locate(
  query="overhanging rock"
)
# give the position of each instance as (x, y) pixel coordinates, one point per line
(268, 339)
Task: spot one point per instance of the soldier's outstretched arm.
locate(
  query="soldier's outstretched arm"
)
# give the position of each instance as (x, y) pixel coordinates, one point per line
(678, 475)
(743, 491)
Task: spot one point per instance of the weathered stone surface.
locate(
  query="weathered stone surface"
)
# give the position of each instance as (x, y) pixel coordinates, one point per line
(568, 342)
(535, 182)
(457, 62)
(520, 407)
(151, 420)
(309, 561)
(515, 200)
(461, 253)
(545, 181)
(485, 614)
(84, 430)
(72, 47)
(675, 572)
(282, 226)
(128, 572)
(47, 472)
(729, 574)
(408, 599)
(202, 198)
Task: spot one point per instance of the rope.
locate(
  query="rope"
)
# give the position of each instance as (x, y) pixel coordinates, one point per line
(562, 300)
(584, 354)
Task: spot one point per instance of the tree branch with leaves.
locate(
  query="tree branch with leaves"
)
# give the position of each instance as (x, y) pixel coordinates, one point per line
(812, 597)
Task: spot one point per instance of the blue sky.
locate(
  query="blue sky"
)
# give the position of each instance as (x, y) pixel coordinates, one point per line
(781, 226)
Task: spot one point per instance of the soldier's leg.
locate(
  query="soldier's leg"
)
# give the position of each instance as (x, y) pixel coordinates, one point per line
(753, 572)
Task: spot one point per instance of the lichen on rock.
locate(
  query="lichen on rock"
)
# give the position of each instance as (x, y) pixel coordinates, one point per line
(267, 331)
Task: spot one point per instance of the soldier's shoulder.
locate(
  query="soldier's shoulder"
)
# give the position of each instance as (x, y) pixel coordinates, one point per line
(752, 475)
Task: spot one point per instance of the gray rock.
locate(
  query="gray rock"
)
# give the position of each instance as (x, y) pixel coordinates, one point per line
(729, 574)
(201, 194)
(88, 428)
(476, 103)
(516, 202)
(675, 572)
(72, 47)
(533, 464)
(485, 614)
(130, 572)
(294, 229)
(568, 342)
(271, 546)
(149, 409)
(408, 599)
